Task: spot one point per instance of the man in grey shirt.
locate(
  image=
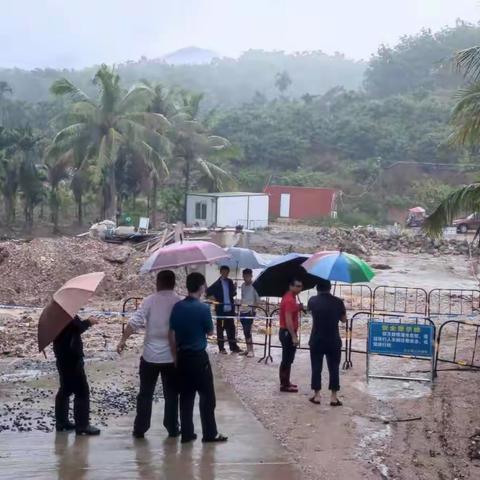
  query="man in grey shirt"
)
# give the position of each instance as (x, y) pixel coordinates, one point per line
(158, 356)
(249, 301)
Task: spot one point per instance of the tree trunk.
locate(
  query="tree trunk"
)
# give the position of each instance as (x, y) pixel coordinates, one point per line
(111, 210)
(187, 188)
(54, 207)
(79, 200)
(154, 202)
(9, 209)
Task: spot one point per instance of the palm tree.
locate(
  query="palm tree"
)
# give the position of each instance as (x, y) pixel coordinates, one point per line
(164, 101)
(57, 170)
(9, 171)
(97, 128)
(4, 89)
(466, 132)
(194, 145)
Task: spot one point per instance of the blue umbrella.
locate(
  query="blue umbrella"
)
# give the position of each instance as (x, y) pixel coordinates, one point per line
(243, 258)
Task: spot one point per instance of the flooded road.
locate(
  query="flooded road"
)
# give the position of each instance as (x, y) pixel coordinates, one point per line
(250, 453)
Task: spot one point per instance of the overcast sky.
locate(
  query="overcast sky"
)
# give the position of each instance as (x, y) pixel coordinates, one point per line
(76, 33)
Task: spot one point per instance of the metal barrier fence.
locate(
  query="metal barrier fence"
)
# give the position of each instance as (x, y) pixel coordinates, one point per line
(469, 359)
(407, 304)
(400, 300)
(453, 301)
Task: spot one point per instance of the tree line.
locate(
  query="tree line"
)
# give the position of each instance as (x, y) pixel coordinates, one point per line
(121, 143)
(108, 148)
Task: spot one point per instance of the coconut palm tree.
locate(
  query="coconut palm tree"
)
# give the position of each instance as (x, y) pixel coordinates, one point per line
(466, 132)
(194, 145)
(97, 129)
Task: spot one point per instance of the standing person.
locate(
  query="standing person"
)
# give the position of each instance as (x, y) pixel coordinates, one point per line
(190, 324)
(250, 299)
(68, 349)
(158, 357)
(289, 312)
(223, 291)
(327, 310)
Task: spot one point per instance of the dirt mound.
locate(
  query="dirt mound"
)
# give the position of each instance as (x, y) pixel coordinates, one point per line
(30, 272)
(359, 241)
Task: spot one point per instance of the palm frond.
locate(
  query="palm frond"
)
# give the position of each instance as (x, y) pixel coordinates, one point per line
(218, 143)
(137, 98)
(468, 62)
(65, 87)
(155, 163)
(152, 121)
(211, 170)
(70, 134)
(463, 200)
(109, 148)
(466, 116)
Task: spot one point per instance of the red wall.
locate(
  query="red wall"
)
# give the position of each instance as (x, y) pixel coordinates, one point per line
(304, 202)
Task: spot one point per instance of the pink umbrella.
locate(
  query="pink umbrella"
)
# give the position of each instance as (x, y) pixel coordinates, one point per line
(66, 302)
(417, 210)
(183, 254)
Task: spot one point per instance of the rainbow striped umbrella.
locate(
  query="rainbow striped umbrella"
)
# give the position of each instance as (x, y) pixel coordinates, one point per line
(338, 267)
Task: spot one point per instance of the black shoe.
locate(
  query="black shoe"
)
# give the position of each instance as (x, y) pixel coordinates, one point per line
(65, 427)
(90, 431)
(223, 351)
(219, 438)
(189, 439)
(138, 435)
(174, 434)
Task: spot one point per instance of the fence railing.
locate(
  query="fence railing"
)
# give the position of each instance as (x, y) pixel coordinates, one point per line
(402, 304)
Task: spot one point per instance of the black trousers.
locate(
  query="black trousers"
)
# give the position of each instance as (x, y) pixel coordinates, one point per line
(149, 373)
(73, 381)
(288, 356)
(334, 356)
(195, 374)
(227, 324)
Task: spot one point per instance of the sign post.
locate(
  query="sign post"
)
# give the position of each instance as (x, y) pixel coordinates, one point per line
(403, 340)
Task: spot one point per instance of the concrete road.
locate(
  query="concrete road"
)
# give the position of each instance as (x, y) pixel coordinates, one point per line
(250, 453)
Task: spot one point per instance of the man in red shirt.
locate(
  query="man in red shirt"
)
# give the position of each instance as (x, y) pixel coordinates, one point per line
(289, 311)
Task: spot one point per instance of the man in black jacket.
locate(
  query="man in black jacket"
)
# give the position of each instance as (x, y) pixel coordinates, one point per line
(223, 291)
(68, 349)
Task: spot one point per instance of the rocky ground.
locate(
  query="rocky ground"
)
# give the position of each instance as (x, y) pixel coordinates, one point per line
(359, 241)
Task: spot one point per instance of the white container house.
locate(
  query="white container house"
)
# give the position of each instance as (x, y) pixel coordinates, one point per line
(228, 209)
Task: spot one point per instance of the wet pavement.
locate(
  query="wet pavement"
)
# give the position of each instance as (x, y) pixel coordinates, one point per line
(250, 453)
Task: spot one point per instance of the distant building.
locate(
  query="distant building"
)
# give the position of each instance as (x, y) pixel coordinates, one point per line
(228, 209)
(301, 203)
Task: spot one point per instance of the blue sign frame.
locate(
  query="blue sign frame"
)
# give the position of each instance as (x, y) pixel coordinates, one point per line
(401, 339)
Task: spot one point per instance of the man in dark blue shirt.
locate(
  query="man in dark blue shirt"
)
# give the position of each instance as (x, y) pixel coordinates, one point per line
(190, 323)
(327, 311)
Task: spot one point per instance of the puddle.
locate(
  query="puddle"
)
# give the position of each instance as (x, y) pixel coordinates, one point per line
(21, 375)
(383, 389)
(373, 442)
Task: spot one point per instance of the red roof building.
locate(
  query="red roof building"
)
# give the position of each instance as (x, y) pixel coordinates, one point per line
(301, 202)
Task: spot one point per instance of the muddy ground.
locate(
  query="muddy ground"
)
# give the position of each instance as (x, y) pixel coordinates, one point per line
(434, 439)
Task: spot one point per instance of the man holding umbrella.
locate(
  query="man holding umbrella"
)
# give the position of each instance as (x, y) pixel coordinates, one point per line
(60, 323)
(68, 349)
(327, 311)
(289, 312)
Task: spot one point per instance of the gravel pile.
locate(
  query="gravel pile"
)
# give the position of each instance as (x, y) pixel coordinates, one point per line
(30, 272)
(359, 241)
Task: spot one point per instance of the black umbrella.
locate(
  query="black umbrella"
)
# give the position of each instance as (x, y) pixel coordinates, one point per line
(274, 280)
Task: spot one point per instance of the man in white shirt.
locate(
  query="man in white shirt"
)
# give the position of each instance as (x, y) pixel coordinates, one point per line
(249, 301)
(158, 356)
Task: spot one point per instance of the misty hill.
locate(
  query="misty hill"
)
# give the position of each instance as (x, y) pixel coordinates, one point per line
(190, 56)
(225, 82)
